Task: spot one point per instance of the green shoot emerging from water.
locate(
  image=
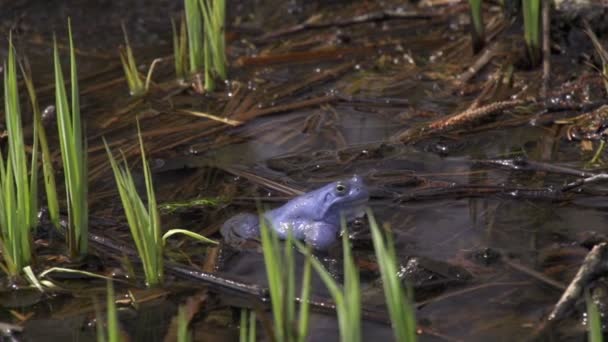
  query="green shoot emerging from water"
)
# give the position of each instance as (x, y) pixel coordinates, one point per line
(477, 28)
(180, 49)
(18, 194)
(136, 85)
(247, 330)
(47, 164)
(144, 223)
(594, 321)
(73, 153)
(399, 307)
(112, 333)
(183, 335)
(532, 29)
(280, 269)
(205, 20)
(348, 297)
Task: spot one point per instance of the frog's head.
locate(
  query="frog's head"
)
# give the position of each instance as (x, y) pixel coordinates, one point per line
(346, 197)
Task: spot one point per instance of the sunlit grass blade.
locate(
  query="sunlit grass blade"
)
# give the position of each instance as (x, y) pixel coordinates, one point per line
(47, 164)
(214, 17)
(129, 65)
(400, 308)
(274, 271)
(346, 298)
(532, 29)
(73, 153)
(194, 23)
(594, 321)
(183, 335)
(18, 185)
(180, 48)
(280, 268)
(247, 331)
(144, 223)
(477, 27)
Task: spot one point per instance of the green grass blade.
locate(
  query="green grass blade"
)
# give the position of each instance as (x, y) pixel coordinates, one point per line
(195, 35)
(113, 329)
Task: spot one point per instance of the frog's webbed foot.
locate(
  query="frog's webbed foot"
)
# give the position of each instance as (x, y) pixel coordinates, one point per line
(240, 228)
(321, 235)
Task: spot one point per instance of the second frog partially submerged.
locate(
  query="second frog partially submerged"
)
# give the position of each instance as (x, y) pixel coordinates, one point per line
(313, 217)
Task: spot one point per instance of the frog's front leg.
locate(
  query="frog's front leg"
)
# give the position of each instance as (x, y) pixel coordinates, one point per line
(241, 227)
(321, 235)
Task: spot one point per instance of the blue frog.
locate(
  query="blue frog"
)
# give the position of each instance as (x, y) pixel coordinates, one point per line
(313, 217)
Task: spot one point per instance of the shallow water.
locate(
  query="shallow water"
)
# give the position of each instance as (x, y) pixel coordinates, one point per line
(438, 195)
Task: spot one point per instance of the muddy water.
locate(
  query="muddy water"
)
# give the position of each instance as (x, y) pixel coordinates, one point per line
(444, 201)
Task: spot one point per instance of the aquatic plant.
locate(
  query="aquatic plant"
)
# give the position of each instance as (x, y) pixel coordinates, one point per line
(143, 223)
(183, 335)
(205, 21)
(47, 164)
(400, 308)
(136, 85)
(180, 49)
(247, 330)
(532, 29)
(594, 321)
(347, 297)
(73, 152)
(280, 270)
(112, 331)
(477, 29)
(18, 191)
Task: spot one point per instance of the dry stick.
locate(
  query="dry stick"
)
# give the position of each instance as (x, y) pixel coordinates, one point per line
(456, 121)
(593, 265)
(546, 47)
(485, 57)
(580, 182)
(373, 16)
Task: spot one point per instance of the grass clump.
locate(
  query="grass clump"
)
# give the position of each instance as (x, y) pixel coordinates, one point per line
(73, 153)
(347, 297)
(180, 49)
(18, 191)
(477, 27)
(400, 308)
(112, 331)
(47, 163)
(289, 325)
(136, 84)
(137, 87)
(144, 222)
(532, 29)
(205, 22)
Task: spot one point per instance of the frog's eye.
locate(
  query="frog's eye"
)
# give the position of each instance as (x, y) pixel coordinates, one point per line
(341, 189)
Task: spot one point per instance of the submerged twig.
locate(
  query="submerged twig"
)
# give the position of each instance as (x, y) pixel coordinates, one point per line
(456, 121)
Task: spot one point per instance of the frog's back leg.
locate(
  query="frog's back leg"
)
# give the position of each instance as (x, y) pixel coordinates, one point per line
(241, 227)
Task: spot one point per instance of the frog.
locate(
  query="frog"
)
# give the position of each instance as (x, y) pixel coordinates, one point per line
(313, 217)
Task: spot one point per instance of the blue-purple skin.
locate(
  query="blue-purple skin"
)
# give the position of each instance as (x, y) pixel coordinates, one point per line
(314, 217)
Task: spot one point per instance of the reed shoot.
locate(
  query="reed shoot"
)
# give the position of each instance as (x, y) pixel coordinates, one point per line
(112, 331)
(18, 192)
(73, 153)
(289, 325)
(477, 27)
(532, 29)
(47, 164)
(144, 223)
(400, 308)
(180, 49)
(347, 297)
(247, 331)
(136, 84)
